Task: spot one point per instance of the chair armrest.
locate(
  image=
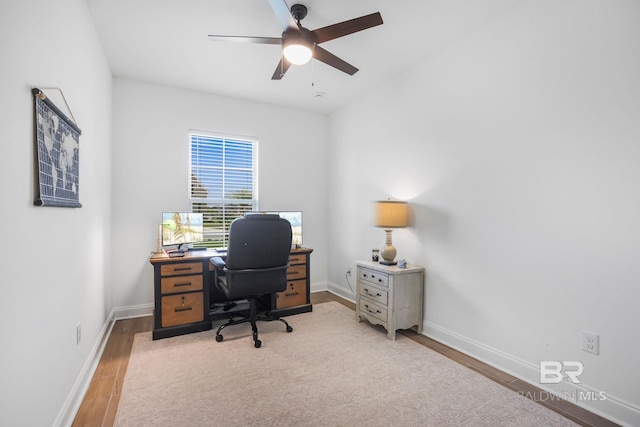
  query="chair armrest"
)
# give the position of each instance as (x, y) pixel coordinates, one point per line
(218, 262)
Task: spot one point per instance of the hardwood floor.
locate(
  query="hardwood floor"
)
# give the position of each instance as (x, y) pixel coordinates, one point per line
(100, 403)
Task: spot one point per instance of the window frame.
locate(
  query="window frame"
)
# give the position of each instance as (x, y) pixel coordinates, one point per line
(219, 238)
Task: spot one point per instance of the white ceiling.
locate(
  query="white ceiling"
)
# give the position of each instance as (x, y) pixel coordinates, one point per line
(165, 42)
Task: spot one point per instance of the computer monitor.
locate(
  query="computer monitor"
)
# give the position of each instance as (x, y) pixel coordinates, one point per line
(182, 228)
(295, 218)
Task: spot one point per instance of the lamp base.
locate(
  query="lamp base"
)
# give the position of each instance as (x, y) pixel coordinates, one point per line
(159, 248)
(388, 252)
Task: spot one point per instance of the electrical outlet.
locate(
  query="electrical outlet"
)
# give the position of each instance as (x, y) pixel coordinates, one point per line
(78, 333)
(590, 342)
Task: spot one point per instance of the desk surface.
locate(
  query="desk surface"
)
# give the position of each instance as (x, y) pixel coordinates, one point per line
(188, 255)
(208, 253)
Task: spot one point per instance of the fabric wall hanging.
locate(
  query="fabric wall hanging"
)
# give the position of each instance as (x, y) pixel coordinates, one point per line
(58, 153)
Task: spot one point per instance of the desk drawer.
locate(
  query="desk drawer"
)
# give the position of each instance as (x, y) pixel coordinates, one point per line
(373, 309)
(378, 295)
(173, 269)
(297, 272)
(374, 277)
(297, 259)
(182, 309)
(173, 285)
(296, 294)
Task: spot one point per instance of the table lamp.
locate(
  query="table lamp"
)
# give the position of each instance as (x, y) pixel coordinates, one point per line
(390, 215)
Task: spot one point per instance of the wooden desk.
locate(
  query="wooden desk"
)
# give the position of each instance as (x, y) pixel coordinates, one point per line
(184, 303)
(296, 298)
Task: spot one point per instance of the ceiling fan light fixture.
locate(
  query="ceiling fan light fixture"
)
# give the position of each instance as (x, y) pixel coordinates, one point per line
(300, 44)
(297, 51)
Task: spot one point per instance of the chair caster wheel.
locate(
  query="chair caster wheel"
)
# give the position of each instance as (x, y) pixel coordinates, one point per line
(258, 343)
(289, 328)
(219, 338)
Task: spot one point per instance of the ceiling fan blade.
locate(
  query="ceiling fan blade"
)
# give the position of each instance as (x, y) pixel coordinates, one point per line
(347, 27)
(330, 59)
(282, 68)
(283, 14)
(246, 39)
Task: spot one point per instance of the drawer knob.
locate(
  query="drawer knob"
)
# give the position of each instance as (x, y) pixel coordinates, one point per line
(182, 269)
(291, 294)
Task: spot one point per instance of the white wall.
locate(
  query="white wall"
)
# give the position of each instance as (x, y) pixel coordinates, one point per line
(53, 261)
(518, 149)
(151, 164)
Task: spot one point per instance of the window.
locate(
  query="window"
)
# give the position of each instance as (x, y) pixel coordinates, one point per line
(223, 183)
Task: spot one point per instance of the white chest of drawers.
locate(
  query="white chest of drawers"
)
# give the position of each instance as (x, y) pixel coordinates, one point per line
(390, 296)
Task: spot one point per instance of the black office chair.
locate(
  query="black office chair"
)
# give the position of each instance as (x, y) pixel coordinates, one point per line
(256, 265)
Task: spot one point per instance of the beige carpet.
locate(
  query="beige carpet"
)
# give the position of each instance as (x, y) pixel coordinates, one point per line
(330, 371)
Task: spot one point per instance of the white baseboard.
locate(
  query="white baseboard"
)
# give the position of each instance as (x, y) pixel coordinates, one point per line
(341, 292)
(133, 311)
(71, 405)
(612, 408)
(318, 287)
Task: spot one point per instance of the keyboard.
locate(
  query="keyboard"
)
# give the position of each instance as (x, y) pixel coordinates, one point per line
(175, 254)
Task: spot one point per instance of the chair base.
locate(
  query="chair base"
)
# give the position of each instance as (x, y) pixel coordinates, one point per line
(253, 318)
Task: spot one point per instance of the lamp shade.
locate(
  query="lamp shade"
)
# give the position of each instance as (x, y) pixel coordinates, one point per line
(391, 214)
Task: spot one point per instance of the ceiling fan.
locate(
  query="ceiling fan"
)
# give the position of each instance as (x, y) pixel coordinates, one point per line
(299, 44)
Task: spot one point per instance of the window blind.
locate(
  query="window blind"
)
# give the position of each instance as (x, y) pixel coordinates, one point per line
(223, 184)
